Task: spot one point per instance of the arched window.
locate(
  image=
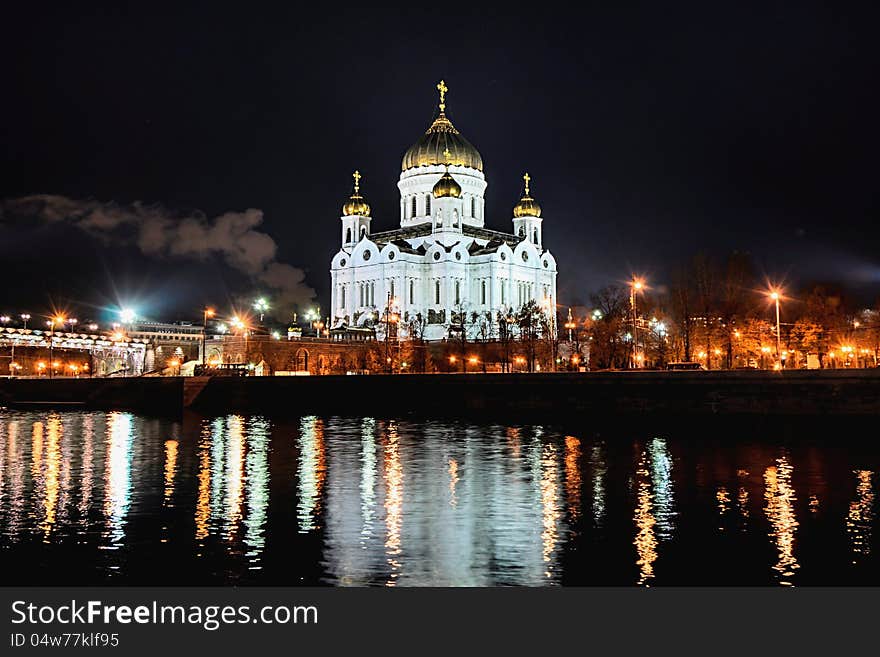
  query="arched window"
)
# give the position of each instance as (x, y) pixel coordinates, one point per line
(413, 206)
(473, 206)
(392, 288)
(483, 293)
(522, 231)
(428, 205)
(535, 236)
(455, 222)
(503, 292)
(457, 293)
(363, 230)
(348, 234)
(342, 296)
(436, 291)
(412, 292)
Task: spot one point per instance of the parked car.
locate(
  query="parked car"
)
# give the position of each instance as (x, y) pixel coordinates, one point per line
(685, 365)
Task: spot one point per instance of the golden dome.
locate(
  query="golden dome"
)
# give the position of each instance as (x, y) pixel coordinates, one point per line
(527, 206)
(356, 204)
(440, 137)
(446, 187)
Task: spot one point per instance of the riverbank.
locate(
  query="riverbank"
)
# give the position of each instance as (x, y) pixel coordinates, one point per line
(804, 393)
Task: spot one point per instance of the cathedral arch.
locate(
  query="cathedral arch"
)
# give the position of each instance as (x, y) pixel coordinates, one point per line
(348, 234)
(428, 205)
(413, 207)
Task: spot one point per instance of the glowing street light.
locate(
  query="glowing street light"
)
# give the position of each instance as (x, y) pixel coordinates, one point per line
(206, 313)
(127, 315)
(636, 285)
(261, 306)
(774, 295)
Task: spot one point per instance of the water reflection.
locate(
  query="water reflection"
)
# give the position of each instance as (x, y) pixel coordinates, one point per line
(779, 497)
(654, 509)
(311, 472)
(860, 518)
(118, 476)
(394, 502)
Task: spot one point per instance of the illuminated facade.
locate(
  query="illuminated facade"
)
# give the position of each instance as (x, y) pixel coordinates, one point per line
(442, 264)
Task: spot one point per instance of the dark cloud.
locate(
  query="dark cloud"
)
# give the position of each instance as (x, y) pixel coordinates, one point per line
(158, 232)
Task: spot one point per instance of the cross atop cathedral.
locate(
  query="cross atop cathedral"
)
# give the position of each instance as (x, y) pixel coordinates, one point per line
(357, 180)
(442, 88)
(527, 178)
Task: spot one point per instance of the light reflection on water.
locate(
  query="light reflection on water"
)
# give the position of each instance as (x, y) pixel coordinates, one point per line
(402, 503)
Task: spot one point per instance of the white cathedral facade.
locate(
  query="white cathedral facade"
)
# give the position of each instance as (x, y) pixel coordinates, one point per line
(443, 263)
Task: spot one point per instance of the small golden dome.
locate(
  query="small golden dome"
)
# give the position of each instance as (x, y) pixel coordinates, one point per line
(446, 187)
(527, 206)
(440, 137)
(356, 204)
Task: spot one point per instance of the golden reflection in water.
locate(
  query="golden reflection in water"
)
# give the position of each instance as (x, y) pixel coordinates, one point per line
(368, 477)
(549, 504)
(118, 474)
(203, 501)
(598, 470)
(218, 461)
(573, 476)
(37, 452)
(393, 502)
(723, 499)
(779, 496)
(513, 441)
(86, 471)
(860, 517)
(453, 480)
(234, 474)
(311, 471)
(170, 469)
(814, 504)
(645, 540)
(50, 476)
(257, 485)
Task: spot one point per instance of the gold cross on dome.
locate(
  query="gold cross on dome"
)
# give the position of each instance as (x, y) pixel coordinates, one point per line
(527, 178)
(442, 88)
(357, 180)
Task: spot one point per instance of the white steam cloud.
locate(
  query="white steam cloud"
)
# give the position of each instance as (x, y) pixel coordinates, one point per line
(234, 236)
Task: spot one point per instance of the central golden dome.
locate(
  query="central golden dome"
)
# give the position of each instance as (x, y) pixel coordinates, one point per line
(440, 137)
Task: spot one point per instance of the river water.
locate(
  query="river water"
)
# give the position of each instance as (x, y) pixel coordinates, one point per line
(104, 498)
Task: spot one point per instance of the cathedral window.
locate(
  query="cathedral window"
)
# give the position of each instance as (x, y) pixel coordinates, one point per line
(428, 205)
(413, 206)
(522, 231)
(535, 236)
(483, 293)
(412, 291)
(342, 296)
(457, 293)
(348, 234)
(473, 206)
(392, 288)
(455, 223)
(503, 292)
(436, 291)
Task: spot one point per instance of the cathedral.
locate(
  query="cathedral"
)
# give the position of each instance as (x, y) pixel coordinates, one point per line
(442, 270)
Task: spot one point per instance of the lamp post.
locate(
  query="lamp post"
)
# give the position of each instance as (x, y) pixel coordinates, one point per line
(636, 285)
(24, 319)
(774, 294)
(261, 306)
(206, 313)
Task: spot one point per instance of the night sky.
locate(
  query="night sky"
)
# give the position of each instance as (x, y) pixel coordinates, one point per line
(650, 133)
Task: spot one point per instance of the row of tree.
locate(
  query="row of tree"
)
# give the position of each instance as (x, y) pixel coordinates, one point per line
(723, 315)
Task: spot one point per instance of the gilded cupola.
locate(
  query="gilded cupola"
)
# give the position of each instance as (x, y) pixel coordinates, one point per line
(441, 137)
(356, 204)
(527, 206)
(446, 187)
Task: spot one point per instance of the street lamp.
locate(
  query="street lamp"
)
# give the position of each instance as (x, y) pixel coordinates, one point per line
(261, 306)
(774, 295)
(24, 319)
(206, 313)
(59, 320)
(636, 285)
